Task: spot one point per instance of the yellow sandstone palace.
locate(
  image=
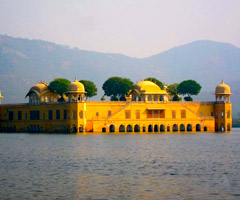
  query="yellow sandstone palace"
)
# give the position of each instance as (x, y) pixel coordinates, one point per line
(147, 109)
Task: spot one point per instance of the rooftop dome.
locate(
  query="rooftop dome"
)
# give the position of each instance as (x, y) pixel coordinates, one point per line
(223, 89)
(76, 86)
(148, 86)
(38, 88)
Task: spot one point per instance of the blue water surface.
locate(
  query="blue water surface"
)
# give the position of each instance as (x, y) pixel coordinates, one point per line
(120, 166)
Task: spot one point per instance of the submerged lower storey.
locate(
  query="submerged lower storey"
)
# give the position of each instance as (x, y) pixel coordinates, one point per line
(118, 117)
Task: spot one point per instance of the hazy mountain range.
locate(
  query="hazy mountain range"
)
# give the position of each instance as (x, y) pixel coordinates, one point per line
(23, 62)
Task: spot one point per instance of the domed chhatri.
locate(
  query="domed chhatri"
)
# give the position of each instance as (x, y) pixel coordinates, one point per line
(76, 86)
(147, 91)
(223, 92)
(76, 91)
(223, 89)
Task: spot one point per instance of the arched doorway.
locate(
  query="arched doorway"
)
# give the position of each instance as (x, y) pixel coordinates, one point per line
(104, 130)
(175, 127)
(168, 128)
(121, 128)
(182, 127)
(112, 128)
(136, 128)
(189, 127)
(129, 128)
(144, 129)
(150, 128)
(198, 127)
(156, 128)
(162, 128)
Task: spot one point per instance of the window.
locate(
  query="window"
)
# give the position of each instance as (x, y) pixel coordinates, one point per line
(183, 113)
(212, 114)
(109, 113)
(137, 114)
(10, 115)
(65, 114)
(97, 114)
(19, 115)
(127, 114)
(25, 116)
(156, 114)
(162, 113)
(174, 114)
(201, 114)
(228, 114)
(74, 115)
(57, 114)
(149, 114)
(50, 115)
(34, 115)
(222, 114)
(81, 114)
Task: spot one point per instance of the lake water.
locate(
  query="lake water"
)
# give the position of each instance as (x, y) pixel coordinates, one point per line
(126, 166)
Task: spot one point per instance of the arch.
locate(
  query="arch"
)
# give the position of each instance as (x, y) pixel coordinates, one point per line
(104, 130)
(205, 128)
(175, 127)
(156, 128)
(144, 129)
(161, 98)
(121, 128)
(228, 127)
(74, 129)
(150, 128)
(129, 128)
(189, 127)
(112, 128)
(168, 128)
(198, 127)
(81, 129)
(162, 128)
(136, 128)
(182, 127)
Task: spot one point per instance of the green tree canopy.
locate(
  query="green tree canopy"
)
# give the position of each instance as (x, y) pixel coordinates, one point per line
(59, 86)
(90, 88)
(117, 87)
(154, 80)
(172, 90)
(189, 87)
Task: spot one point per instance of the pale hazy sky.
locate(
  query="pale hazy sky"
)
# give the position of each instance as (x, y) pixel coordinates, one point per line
(137, 28)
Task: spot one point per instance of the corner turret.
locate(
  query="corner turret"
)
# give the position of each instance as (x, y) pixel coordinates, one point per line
(223, 108)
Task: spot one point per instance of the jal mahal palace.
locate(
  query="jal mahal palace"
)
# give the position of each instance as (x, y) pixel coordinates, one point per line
(148, 109)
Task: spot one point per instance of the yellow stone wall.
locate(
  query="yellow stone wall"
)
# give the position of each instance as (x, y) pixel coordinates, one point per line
(94, 116)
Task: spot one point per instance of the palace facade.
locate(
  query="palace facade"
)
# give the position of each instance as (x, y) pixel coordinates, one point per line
(147, 109)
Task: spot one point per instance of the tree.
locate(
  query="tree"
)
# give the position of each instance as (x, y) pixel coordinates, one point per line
(172, 90)
(117, 87)
(189, 87)
(90, 88)
(59, 86)
(154, 80)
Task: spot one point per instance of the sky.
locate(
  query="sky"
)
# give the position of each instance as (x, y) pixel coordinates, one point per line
(137, 28)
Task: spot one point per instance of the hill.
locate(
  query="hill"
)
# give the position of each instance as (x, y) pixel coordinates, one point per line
(23, 62)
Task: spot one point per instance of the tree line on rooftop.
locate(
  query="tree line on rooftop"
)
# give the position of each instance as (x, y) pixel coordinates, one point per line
(116, 88)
